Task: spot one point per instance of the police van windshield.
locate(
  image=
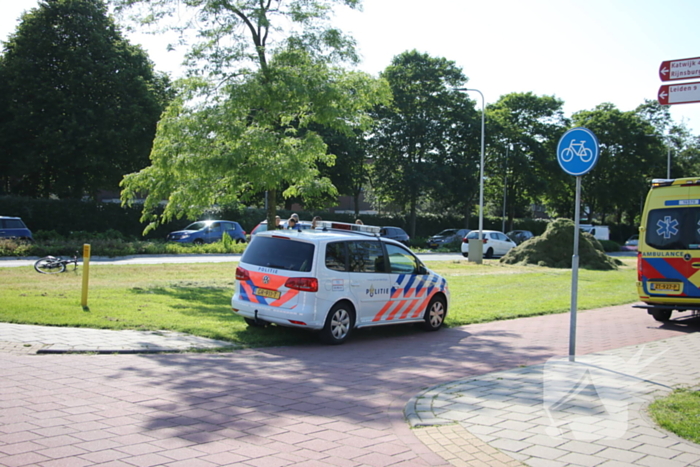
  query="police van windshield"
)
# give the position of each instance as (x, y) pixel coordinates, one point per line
(673, 229)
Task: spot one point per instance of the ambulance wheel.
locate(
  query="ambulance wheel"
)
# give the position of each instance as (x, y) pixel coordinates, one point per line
(661, 314)
(339, 324)
(435, 314)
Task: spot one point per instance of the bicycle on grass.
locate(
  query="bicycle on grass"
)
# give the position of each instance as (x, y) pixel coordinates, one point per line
(54, 264)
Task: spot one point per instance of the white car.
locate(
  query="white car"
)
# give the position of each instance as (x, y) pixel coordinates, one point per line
(334, 279)
(495, 243)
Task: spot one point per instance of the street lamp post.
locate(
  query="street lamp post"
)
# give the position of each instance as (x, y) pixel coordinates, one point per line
(479, 254)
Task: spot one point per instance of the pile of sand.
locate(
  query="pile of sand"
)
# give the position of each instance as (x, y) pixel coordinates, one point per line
(555, 248)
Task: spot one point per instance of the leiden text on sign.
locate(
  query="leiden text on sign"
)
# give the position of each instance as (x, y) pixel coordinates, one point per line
(673, 70)
(679, 93)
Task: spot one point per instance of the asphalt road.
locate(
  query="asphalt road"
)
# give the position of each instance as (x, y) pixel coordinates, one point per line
(164, 259)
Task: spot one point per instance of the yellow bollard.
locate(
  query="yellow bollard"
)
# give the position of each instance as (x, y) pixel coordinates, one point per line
(86, 274)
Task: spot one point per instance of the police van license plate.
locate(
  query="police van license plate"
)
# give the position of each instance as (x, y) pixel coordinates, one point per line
(268, 293)
(665, 286)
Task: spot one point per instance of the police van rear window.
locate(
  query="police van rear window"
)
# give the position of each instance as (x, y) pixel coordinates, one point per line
(279, 253)
(673, 229)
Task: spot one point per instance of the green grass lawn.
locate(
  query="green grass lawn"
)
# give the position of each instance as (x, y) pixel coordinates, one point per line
(679, 412)
(195, 298)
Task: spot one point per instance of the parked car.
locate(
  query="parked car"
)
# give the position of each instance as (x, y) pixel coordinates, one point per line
(495, 243)
(631, 244)
(447, 236)
(519, 236)
(395, 233)
(334, 280)
(262, 226)
(208, 232)
(13, 227)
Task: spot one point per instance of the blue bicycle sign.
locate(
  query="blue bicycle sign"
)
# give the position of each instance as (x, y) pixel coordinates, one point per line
(577, 151)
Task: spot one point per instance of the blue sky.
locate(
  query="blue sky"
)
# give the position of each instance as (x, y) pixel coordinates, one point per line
(583, 52)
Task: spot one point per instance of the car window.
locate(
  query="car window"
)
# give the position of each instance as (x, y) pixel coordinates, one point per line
(215, 227)
(446, 232)
(364, 256)
(279, 253)
(402, 261)
(13, 224)
(196, 226)
(336, 256)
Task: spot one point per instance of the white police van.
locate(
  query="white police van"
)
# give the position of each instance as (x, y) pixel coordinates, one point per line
(334, 279)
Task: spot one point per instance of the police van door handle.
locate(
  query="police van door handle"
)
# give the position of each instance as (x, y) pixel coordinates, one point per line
(354, 283)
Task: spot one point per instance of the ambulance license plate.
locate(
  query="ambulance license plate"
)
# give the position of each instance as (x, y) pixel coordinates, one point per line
(268, 293)
(665, 286)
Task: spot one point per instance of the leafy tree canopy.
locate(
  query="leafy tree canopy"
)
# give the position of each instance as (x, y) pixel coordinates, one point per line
(270, 69)
(79, 103)
(421, 142)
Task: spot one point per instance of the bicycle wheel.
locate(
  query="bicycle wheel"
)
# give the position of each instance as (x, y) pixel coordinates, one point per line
(567, 154)
(586, 155)
(49, 265)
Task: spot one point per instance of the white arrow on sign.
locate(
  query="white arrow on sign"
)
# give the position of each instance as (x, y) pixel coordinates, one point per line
(673, 70)
(679, 93)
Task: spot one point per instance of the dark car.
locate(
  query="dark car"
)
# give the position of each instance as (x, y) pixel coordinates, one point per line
(13, 227)
(519, 236)
(395, 233)
(447, 236)
(208, 232)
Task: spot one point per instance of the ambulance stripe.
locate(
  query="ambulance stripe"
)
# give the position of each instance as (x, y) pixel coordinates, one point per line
(669, 272)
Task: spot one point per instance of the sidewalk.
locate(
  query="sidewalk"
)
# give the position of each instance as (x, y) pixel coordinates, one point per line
(590, 412)
(540, 416)
(27, 339)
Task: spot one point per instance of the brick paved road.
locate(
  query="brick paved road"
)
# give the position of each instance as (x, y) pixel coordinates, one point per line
(305, 406)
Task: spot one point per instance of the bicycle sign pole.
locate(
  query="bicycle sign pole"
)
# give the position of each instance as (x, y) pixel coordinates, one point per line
(577, 153)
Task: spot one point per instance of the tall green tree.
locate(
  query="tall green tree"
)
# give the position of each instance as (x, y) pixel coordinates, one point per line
(269, 70)
(80, 104)
(628, 159)
(523, 131)
(681, 147)
(420, 142)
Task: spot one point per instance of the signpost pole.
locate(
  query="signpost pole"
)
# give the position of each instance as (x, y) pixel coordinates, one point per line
(574, 273)
(577, 154)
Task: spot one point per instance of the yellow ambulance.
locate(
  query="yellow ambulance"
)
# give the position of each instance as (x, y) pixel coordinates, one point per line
(668, 258)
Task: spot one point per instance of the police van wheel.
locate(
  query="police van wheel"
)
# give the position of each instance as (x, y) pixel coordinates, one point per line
(662, 315)
(339, 324)
(435, 314)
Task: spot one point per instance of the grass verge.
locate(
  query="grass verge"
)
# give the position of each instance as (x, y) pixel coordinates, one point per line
(195, 298)
(679, 413)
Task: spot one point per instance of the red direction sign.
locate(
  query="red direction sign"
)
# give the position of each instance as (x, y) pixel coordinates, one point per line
(679, 93)
(673, 70)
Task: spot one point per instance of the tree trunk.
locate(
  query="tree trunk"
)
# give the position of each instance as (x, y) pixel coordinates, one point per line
(271, 208)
